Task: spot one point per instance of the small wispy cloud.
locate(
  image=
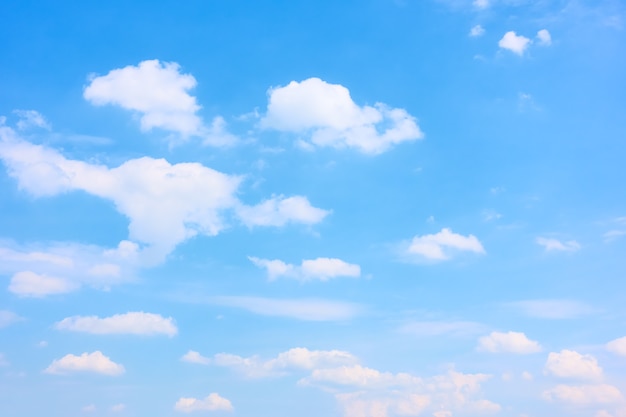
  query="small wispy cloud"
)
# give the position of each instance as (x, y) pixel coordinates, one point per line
(551, 244)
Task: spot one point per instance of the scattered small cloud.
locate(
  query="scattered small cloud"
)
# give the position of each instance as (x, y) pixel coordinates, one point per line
(556, 245)
(321, 269)
(584, 395)
(94, 362)
(89, 408)
(613, 235)
(544, 38)
(442, 246)
(443, 328)
(213, 402)
(476, 31)
(514, 43)
(194, 357)
(481, 4)
(510, 342)
(31, 284)
(29, 119)
(552, 309)
(118, 408)
(8, 318)
(3, 360)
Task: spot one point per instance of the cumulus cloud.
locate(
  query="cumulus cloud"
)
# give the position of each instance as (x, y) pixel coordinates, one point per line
(514, 43)
(194, 357)
(617, 346)
(327, 116)
(571, 364)
(510, 342)
(165, 203)
(138, 323)
(321, 269)
(441, 246)
(544, 37)
(584, 395)
(7, 318)
(31, 284)
(293, 359)
(94, 362)
(213, 402)
(300, 309)
(552, 309)
(159, 94)
(280, 210)
(551, 244)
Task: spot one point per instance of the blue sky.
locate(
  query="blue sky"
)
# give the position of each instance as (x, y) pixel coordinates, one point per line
(354, 209)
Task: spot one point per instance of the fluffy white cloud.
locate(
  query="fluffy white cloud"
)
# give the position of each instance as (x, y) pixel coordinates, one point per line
(213, 402)
(321, 269)
(545, 39)
(31, 284)
(514, 43)
(571, 364)
(7, 318)
(165, 204)
(159, 93)
(94, 362)
(584, 395)
(301, 309)
(477, 31)
(360, 376)
(138, 323)
(551, 244)
(617, 346)
(30, 119)
(552, 309)
(329, 117)
(481, 4)
(440, 246)
(280, 210)
(194, 357)
(293, 359)
(510, 342)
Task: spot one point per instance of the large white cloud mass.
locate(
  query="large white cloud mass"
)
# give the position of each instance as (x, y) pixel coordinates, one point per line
(326, 114)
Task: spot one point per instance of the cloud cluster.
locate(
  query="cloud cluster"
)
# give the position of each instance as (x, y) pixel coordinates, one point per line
(518, 44)
(327, 116)
(321, 269)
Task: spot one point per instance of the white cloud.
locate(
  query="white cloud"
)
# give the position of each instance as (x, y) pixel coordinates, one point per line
(280, 210)
(138, 323)
(477, 31)
(584, 395)
(527, 376)
(612, 235)
(552, 309)
(117, 408)
(3, 360)
(551, 244)
(544, 37)
(510, 342)
(194, 357)
(213, 402)
(159, 93)
(30, 119)
(321, 269)
(293, 359)
(301, 309)
(360, 376)
(442, 245)
(89, 408)
(7, 318)
(30, 284)
(166, 204)
(617, 346)
(326, 114)
(571, 364)
(514, 43)
(94, 362)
